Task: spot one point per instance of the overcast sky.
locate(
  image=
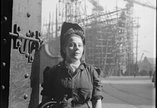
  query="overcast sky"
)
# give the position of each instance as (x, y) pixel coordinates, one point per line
(147, 21)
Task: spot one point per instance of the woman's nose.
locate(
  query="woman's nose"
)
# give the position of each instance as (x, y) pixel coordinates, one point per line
(77, 47)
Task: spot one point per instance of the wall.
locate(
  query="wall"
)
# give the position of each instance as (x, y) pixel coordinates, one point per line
(27, 15)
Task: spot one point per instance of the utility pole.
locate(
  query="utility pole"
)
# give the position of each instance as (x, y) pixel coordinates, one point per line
(56, 21)
(136, 64)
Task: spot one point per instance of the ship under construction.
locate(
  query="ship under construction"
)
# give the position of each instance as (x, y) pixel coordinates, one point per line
(110, 36)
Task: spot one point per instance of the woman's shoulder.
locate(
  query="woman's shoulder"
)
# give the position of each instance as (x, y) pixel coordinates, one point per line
(93, 68)
(52, 69)
(89, 66)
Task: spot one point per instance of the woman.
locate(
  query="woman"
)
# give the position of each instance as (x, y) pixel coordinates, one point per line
(72, 83)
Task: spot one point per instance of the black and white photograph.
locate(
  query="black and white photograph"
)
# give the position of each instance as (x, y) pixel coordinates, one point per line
(78, 54)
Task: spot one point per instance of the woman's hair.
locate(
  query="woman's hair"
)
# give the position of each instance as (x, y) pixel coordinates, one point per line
(66, 32)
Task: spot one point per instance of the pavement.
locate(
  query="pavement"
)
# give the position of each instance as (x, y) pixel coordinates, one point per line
(127, 80)
(128, 92)
(111, 105)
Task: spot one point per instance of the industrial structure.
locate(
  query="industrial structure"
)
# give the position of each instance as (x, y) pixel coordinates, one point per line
(110, 36)
(111, 44)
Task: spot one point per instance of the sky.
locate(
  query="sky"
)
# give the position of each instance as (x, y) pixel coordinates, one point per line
(146, 15)
(147, 30)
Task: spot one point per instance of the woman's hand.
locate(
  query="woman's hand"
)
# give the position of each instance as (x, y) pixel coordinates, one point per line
(98, 104)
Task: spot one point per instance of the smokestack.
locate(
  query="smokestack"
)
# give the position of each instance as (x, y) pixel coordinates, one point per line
(97, 6)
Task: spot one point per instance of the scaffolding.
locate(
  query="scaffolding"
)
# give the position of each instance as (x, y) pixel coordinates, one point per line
(106, 40)
(109, 35)
(110, 41)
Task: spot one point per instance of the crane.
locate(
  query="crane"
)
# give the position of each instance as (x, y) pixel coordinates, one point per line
(141, 57)
(142, 4)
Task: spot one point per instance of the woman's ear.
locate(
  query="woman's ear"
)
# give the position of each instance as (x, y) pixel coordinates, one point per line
(83, 56)
(64, 51)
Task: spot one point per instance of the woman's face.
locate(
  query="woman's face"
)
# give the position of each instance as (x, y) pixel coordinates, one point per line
(74, 48)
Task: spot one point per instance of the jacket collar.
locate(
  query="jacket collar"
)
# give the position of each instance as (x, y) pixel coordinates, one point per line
(81, 67)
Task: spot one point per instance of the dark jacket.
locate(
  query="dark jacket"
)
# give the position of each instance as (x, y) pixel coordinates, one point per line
(82, 86)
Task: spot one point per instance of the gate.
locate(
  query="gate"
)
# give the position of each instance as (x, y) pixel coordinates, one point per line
(23, 54)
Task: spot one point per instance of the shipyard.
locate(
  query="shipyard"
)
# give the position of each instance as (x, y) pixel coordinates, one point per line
(112, 37)
(120, 38)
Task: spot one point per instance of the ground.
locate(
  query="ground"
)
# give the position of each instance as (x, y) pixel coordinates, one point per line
(128, 92)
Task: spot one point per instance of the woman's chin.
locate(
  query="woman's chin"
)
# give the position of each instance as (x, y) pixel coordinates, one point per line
(76, 58)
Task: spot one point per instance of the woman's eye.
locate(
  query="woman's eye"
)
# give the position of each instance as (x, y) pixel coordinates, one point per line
(80, 45)
(74, 45)
(71, 45)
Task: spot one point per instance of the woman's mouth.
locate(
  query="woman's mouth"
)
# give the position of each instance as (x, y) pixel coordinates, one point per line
(76, 53)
